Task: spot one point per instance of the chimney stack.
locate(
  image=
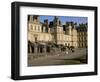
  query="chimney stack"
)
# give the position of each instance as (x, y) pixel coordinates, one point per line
(46, 22)
(30, 18)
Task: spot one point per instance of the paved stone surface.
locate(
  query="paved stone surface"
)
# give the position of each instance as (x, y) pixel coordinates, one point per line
(58, 59)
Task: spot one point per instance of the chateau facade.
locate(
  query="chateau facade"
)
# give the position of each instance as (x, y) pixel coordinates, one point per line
(82, 36)
(44, 33)
(44, 36)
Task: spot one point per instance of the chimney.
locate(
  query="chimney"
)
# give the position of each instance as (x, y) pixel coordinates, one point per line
(36, 18)
(56, 21)
(30, 18)
(46, 22)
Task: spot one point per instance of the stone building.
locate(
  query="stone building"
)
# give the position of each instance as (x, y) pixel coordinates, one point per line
(82, 35)
(42, 36)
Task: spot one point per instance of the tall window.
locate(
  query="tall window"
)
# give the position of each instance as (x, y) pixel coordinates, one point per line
(35, 39)
(35, 27)
(42, 29)
(38, 28)
(31, 27)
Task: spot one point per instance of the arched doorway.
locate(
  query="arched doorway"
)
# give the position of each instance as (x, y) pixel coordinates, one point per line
(35, 39)
(48, 49)
(41, 49)
(32, 47)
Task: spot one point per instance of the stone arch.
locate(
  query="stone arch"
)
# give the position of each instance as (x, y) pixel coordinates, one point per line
(30, 47)
(48, 49)
(41, 48)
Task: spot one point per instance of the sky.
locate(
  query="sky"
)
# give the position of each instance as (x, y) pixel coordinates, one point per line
(65, 19)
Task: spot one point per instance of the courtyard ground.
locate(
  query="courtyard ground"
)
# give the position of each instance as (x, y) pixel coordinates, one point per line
(63, 58)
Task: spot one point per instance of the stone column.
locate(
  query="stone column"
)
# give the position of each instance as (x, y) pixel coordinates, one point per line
(35, 48)
(49, 48)
(38, 48)
(44, 49)
(30, 49)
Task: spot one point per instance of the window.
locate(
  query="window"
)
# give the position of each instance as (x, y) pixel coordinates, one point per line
(80, 38)
(34, 27)
(80, 33)
(31, 27)
(35, 39)
(42, 29)
(38, 28)
(65, 44)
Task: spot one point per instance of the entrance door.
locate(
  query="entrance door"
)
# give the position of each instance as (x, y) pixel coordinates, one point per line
(35, 39)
